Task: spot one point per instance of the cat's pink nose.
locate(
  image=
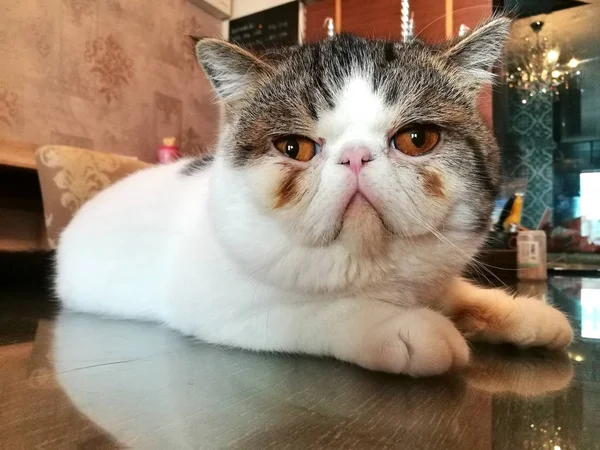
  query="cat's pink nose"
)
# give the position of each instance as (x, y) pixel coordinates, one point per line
(355, 158)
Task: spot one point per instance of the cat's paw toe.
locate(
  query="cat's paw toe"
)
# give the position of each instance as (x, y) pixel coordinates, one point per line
(562, 340)
(418, 343)
(541, 325)
(436, 346)
(561, 334)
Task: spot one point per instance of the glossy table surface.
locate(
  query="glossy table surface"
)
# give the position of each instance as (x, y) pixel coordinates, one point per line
(77, 381)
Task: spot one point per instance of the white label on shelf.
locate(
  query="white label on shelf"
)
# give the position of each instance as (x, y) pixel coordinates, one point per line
(529, 254)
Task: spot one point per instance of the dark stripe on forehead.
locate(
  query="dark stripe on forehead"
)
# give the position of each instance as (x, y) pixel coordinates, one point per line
(383, 80)
(309, 100)
(388, 51)
(344, 55)
(197, 165)
(317, 73)
(325, 92)
(388, 87)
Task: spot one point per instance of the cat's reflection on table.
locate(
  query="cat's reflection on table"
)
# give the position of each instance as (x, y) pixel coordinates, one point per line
(150, 387)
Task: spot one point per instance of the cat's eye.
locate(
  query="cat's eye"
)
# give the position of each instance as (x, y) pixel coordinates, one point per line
(416, 140)
(299, 148)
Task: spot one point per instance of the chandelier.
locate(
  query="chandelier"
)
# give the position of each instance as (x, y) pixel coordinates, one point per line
(538, 71)
(407, 24)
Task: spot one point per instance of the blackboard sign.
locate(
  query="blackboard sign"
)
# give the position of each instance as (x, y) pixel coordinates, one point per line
(275, 27)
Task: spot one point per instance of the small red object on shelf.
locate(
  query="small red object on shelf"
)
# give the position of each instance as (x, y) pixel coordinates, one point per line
(168, 151)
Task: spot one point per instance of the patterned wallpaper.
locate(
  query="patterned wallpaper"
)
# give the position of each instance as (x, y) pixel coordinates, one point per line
(111, 75)
(532, 154)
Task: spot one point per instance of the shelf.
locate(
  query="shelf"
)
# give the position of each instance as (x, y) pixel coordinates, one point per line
(17, 154)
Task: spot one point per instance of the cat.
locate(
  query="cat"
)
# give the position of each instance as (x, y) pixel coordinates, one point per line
(352, 182)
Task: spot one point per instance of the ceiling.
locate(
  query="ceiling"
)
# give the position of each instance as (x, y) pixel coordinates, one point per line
(528, 8)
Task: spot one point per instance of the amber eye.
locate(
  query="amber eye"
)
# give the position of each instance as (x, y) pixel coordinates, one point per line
(416, 141)
(297, 147)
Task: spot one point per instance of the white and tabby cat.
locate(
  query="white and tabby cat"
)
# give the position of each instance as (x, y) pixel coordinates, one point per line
(352, 182)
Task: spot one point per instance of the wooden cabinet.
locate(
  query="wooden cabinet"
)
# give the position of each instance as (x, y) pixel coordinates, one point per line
(21, 209)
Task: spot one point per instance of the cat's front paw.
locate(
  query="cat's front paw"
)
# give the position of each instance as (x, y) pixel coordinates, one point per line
(522, 321)
(419, 342)
(537, 324)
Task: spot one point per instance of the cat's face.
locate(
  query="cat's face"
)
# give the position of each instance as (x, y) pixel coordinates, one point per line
(361, 141)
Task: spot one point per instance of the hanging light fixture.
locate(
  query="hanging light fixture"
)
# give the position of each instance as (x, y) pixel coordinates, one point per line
(407, 19)
(330, 26)
(538, 71)
(334, 26)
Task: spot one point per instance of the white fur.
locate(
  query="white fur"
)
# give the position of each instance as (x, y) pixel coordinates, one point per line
(207, 256)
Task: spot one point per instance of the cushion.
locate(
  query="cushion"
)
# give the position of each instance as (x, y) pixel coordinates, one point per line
(70, 176)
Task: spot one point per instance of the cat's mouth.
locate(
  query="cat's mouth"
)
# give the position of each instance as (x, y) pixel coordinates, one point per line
(361, 202)
(361, 214)
(357, 200)
(358, 205)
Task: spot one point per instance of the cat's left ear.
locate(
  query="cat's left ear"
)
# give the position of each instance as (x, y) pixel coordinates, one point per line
(479, 50)
(232, 71)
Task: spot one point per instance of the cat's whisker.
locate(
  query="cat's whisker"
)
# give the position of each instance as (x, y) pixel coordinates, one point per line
(485, 8)
(433, 22)
(474, 260)
(445, 240)
(479, 270)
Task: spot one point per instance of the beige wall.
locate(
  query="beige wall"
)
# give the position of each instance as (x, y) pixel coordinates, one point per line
(113, 75)
(241, 8)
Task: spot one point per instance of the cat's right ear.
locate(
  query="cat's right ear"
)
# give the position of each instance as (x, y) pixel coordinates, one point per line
(231, 70)
(477, 52)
